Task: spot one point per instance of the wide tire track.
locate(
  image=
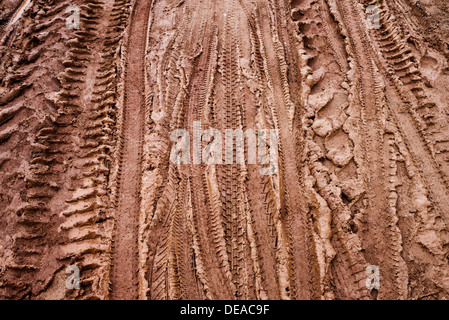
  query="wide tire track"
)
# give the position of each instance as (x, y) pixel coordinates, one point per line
(125, 252)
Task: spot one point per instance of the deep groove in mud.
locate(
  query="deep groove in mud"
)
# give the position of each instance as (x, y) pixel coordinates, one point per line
(124, 284)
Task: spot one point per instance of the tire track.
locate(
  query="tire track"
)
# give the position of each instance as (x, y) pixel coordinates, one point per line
(405, 107)
(293, 271)
(124, 283)
(363, 150)
(370, 103)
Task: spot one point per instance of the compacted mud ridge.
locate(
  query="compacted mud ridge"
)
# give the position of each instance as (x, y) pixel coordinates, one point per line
(357, 206)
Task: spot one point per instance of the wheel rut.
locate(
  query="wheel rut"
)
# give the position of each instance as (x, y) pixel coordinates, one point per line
(125, 250)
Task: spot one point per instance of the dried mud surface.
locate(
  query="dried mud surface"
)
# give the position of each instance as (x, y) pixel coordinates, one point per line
(85, 123)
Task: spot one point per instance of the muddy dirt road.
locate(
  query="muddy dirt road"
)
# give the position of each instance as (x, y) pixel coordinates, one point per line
(241, 149)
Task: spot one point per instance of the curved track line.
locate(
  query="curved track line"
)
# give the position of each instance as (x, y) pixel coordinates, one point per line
(18, 14)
